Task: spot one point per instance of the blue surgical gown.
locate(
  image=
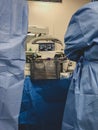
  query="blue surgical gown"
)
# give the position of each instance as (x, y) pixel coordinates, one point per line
(13, 30)
(81, 45)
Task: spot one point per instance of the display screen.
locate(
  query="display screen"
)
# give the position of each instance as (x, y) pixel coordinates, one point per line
(46, 47)
(47, 0)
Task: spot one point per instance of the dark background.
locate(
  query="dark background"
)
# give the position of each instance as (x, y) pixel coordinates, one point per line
(48, 0)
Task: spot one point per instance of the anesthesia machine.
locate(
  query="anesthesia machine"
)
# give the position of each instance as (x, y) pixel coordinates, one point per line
(45, 57)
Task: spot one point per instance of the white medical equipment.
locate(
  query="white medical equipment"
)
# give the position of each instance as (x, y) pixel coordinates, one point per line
(45, 56)
(44, 51)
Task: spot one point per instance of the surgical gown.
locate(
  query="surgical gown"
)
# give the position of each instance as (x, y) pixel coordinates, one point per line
(13, 30)
(81, 45)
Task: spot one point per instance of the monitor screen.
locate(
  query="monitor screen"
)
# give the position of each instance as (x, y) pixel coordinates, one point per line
(46, 47)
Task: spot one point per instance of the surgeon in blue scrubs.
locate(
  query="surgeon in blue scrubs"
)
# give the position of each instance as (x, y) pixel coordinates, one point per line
(81, 45)
(13, 31)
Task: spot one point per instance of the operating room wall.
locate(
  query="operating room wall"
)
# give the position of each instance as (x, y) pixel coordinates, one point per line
(53, 15)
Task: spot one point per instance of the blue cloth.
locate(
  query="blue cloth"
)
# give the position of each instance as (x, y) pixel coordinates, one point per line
(43, 103)
(81, 39)
(13, 29)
